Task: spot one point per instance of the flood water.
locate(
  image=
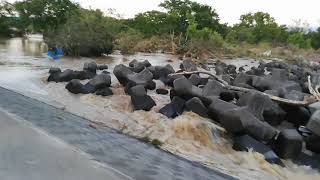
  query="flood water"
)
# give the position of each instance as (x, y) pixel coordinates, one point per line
(24, 60)
(24, 68)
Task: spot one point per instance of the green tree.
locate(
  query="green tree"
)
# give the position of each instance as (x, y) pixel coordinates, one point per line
(115, 26)
(84, 34)
(6, 12)
(258, 27)
(44, 15)
(154, 23)
(315, 38)
(205, 16)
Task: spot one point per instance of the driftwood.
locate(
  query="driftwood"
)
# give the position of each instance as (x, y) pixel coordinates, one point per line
(314, 91)
(306, 102)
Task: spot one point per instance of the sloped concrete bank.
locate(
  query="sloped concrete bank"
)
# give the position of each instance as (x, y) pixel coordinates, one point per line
(128, 155)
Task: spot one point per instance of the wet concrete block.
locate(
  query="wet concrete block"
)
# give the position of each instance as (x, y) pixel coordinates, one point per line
(88, 89)
(174, 109)
(150, 85)
(313, 143)
(104, 92)
(138, 90)
(83, 75)
(262, 107)
(299, 116)
(241, 120)
(66, 76)
(184, 88)
(272, 92)
(296, 95)
(246, 142)
(92, 67)
(54, 77)
(314, 123)
(195, 79)
(279, 74)
(170, 79)
(213, 88)
(125, 75)
(204, 81)
(314, 107)
(173, 94)
(218, 107)
(142, 77)
(122, 72)
(75, 86)
(101, 81)
(162, 72)
(145, 103)
(312, 161)
(286, 87)
(188, 65)
(243, 78)
(53, 70)
(228, 95)
(288, 145)
(102, 67)
(195, 105)
(138, 66)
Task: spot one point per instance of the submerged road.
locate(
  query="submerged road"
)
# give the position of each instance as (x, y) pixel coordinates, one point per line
(44, 142)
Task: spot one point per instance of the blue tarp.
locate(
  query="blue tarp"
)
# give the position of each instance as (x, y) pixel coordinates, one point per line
(56, 53)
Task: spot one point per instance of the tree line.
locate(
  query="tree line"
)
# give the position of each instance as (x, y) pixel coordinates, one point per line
(184, 26)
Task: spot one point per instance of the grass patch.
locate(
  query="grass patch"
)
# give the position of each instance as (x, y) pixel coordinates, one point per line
(155, 142)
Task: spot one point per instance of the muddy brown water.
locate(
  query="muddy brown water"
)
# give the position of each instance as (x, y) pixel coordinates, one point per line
(24, 69)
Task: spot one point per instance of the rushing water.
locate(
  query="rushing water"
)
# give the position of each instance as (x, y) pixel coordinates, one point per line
(24, 68)
(24, 60)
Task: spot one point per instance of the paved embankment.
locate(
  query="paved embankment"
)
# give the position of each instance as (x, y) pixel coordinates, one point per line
(126, 154)
(27, 152)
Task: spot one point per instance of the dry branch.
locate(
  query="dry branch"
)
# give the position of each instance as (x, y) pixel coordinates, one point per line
(306, 102)
(314, 91)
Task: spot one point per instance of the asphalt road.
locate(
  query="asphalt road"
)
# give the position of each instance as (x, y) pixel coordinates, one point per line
(52, 153)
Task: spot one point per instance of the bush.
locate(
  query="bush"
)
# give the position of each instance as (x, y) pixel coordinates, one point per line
(127, 41)
(83, 35)
(204, 41)
(241, 35)
(299, 40)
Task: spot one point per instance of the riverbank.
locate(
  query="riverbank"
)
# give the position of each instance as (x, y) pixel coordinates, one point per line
(228, 51)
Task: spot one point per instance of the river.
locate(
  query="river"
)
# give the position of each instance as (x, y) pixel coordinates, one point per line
(24, 69)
